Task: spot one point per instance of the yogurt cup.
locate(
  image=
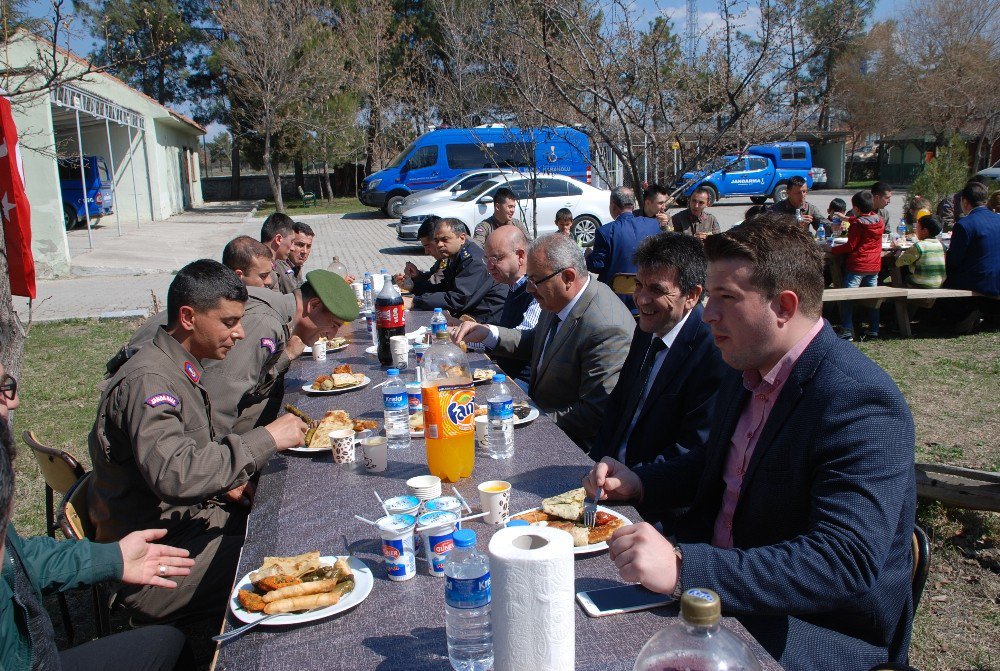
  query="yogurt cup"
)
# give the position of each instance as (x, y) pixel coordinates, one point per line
(439, 526)
(397, 545)
(449, 504)
(402, 505)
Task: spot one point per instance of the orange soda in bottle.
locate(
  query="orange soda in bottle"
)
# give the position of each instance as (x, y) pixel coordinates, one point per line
(449, 401)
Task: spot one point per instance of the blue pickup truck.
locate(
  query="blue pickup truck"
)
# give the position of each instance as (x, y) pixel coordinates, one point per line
(98, 180)
(762, 171)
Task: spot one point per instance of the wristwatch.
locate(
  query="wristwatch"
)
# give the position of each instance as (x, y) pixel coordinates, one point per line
(678, 588)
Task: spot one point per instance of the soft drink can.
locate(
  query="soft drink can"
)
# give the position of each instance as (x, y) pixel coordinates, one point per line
(370, 321)
(439, 528)
(397, 546)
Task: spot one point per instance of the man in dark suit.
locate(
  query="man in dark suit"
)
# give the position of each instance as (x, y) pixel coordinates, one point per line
(466, 288)
(802, 504)
(973, 258)
(506, 254)
(615, 243)
(579, 345)
(663, 403)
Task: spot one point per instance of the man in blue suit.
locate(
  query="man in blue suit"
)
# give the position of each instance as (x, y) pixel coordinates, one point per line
(973, 259)
(615, 243)
(802, 503)
(665, 396)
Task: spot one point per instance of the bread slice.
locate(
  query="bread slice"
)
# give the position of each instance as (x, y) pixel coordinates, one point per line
(567, 506)
(341, 380)
(295, 566)
(335, 420)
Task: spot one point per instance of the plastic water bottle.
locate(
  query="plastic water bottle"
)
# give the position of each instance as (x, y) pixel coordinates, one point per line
(397, 411)
(499, 419)
(695, 641)
(439, 324)
(467, 605)
(821, 234)
(368, 291)
(901, 231)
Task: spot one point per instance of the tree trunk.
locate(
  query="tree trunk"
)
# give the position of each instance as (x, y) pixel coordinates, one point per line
(234, 181)
(326, 180)
(273, 176)
(300, 178)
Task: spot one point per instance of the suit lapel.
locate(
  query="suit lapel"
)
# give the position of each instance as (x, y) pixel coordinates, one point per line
(541, 332)
(677, 357)
(565, 329)
(722, 436)
(630, 372)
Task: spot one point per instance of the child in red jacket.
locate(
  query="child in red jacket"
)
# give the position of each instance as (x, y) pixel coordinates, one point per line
(863, 250)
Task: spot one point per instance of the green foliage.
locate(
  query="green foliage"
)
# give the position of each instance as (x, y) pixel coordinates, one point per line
(945, 174)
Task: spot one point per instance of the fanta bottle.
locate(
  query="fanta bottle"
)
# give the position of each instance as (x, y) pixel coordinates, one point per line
(449, 403)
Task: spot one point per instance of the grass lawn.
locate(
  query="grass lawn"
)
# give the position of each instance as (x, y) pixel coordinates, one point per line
(862, 184)
(953, 394)
(293, 206)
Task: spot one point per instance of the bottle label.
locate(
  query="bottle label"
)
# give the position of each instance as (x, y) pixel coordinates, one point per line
(449, 410)
(501, 409)
(390, 317)
(467, 592)
(395, 400)
(439, 328)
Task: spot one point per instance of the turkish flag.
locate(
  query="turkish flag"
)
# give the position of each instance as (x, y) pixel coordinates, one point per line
(14, 208)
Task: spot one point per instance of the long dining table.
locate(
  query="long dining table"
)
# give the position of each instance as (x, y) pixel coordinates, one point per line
(306, 502)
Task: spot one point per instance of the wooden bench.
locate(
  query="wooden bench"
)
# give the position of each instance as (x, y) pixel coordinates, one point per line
(873, 297)
(925, 297)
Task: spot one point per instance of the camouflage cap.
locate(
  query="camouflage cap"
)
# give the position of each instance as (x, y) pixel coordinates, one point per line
(336, 294)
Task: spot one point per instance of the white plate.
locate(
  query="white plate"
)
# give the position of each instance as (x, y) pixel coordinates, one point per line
(485, 381)
(302, 449)
(309, 390)
(329, 350)
(593, 547)
(373, 350)
(532, 415)
(363, 583)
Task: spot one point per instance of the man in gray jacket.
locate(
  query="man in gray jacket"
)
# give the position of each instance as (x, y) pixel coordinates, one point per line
(579, 344)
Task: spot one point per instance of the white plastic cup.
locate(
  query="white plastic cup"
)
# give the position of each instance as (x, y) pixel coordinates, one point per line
(359, 290)
(494, 499)
(319, 350)
(375, 452)
(439, 527)
(397, 546)
(482, 432)
(400, 359)
(342, 441)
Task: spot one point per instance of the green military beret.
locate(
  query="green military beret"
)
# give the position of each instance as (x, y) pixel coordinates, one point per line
(336, 294)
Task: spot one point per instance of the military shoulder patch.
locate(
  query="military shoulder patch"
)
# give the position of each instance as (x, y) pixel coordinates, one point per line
(191, 372)
(269, 344)
(162, 399)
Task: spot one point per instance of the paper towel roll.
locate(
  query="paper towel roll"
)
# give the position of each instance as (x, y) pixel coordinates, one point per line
(534, 626)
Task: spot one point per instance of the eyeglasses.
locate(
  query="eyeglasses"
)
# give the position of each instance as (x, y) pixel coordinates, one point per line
(496, 258)
(535, 283)
(8, 387)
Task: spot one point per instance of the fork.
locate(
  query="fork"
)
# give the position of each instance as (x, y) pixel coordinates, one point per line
(590, 509)
(229, 635)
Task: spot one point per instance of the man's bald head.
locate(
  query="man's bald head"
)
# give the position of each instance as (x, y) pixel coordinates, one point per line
(506, 253)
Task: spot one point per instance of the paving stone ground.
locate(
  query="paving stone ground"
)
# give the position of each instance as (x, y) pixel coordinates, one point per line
(123, 273)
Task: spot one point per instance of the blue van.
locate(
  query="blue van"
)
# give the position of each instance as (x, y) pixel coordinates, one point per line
(762, 171)
(437, 156)
(98, 180)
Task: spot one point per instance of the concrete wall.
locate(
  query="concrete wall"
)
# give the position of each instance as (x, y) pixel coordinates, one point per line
(156, 156)
(831, 156)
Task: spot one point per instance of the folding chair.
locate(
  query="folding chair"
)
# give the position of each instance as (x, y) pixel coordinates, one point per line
(74, 519)
(60, 470)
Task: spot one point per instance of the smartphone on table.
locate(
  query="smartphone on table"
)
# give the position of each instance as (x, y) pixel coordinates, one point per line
(620, 599)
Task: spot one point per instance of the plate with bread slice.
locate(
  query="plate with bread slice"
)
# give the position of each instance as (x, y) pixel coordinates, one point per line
(565, 511)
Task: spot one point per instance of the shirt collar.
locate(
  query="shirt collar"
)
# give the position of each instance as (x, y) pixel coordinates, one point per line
(519, 282)
(564, 313)
(189, 366)
(670, 336)
(777, 376)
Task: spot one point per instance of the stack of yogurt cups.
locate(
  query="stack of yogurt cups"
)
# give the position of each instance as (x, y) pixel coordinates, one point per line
(437, 518)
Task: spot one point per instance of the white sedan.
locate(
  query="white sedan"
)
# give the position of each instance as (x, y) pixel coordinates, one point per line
(552, 192)
(454, 187)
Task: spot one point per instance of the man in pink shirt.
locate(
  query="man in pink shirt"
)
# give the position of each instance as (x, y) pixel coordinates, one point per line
(802, 502)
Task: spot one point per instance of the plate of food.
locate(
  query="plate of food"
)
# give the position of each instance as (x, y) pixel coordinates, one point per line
(417, 424)
(340, 379)
(523, 413)
(482, 375)
(318, 436)
(565, 511)
(291, 585)
(332, 345)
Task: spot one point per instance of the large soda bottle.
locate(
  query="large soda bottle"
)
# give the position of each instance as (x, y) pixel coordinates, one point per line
(449, 410)
(390, 319)
(696, 641)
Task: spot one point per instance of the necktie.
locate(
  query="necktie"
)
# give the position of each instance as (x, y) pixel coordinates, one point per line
(655, 347)
(553, 327)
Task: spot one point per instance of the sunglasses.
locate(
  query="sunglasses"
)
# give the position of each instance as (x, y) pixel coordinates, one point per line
(8, 387)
